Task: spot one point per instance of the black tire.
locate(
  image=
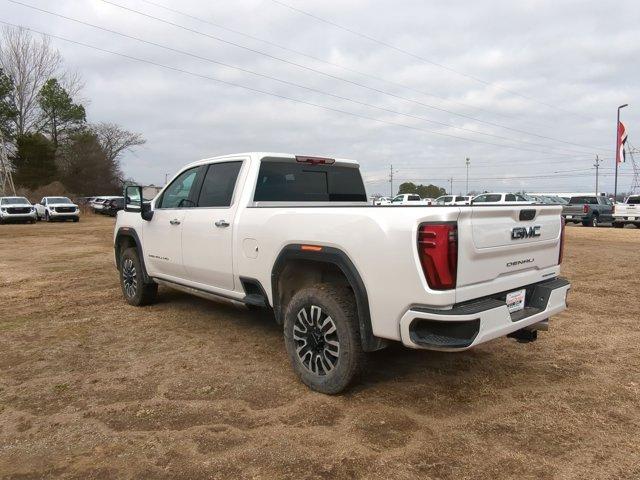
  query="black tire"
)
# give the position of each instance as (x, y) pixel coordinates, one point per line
(326, 356)
(135, 291)
(76, 219)
(618, 225)
(47, 218)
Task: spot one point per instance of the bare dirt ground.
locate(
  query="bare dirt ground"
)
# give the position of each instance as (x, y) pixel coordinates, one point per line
(93, 388)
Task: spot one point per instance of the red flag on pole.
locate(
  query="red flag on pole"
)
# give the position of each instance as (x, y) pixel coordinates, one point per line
(622, 139)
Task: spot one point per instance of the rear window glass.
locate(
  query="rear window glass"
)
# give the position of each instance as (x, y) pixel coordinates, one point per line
(298, 182)
(633, 201)
(583, 200)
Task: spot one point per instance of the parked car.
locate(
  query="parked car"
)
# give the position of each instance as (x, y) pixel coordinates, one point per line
(296, 235)
(382, 201)
(500, 198)
(98, 203)
(590, 210)
(627, 212)
(57, 208)
(16, 209)
(452, 200)
(113, 206)
(407, 199)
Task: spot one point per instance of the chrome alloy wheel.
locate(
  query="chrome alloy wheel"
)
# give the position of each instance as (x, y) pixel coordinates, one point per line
(129, 278)
(316, 337)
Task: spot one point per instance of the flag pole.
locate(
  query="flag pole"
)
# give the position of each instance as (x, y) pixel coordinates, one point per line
(615, 187)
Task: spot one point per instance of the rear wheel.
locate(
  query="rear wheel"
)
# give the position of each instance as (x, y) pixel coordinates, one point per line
(322, 337)
(618, 224)
(135, 291)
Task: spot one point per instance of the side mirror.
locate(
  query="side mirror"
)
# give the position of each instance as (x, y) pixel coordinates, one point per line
(133, 199)
(146, 213)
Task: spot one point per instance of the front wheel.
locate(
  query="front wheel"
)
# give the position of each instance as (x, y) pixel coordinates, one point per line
(618, 224)
(322, 337)
(47, 218)
(135, 291)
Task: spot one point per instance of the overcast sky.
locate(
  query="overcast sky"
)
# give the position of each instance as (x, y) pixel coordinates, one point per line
(551, 72)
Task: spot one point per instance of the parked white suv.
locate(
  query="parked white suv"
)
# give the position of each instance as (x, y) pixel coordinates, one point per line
(500, 198)
(16, 209)
(296, 235)
(57, 208)
(452, 200)
(407, 199)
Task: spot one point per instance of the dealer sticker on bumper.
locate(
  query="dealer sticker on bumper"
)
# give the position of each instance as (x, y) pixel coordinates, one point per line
(515, 300)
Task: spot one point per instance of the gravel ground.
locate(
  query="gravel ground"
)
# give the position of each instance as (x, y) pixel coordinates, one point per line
(91, 387)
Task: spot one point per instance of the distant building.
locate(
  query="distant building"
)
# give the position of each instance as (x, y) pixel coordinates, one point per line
(150, 191)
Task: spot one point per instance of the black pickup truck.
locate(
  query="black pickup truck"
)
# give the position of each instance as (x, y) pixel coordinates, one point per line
(590, 210)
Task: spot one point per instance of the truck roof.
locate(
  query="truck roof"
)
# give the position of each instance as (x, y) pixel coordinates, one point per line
(261, 155)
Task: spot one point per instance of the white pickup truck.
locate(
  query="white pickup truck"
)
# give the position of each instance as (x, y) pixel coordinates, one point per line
(627, 212)
(296, 235)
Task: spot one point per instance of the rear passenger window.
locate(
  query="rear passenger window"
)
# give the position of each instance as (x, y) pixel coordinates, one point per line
(295, 182)
(218, 185)
(510, 197)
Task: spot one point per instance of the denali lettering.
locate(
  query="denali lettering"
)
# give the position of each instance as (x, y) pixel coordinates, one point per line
(515, 263)
(518, 233)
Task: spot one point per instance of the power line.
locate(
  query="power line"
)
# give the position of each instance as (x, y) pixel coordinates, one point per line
(264, 92)
(368, 75)
(276, 79)
(335, 77)
(423, 59)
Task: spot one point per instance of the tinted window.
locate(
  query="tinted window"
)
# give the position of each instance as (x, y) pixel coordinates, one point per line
(510, 197)
(583, 200)
(14, 201)
(218, 184)
(633, 200)
(177, 194)
(414, 198)
(58, 200)
(488, 198)
(398, 199)
(297, 182)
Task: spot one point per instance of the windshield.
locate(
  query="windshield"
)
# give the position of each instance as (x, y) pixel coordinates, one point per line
(14, 201)
(58, 200)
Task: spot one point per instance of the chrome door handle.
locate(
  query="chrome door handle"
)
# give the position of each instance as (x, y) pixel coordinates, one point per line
(175, 221)
(221, 223)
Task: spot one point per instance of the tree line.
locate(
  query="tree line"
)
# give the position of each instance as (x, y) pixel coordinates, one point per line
(43, 123)
(425, 191)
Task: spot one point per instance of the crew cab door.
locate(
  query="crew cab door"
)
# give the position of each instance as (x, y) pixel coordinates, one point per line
(162, 235)
(207, 232)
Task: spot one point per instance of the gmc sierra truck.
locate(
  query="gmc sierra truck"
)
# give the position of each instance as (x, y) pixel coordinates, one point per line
(296, 235)
(627, 212)
(590, 210)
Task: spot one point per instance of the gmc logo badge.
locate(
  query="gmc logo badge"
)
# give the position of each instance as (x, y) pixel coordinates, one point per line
(518, 233)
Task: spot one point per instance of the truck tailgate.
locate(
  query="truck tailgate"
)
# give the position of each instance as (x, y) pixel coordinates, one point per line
(503, 247)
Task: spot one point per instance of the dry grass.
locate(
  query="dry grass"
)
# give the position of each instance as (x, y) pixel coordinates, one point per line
(93, 388)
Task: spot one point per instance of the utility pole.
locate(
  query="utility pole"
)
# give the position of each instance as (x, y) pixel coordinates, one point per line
(615, 188)
(467, 162)
(451, 186)
(391, 172)
(597, 165)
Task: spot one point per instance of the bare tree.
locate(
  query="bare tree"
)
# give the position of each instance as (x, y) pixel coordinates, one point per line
(30, 61)
(114, 139)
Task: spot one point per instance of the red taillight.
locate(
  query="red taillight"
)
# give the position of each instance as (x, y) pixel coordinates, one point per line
(561, 254)
(315, 160)
(438, 252)
(585, 208)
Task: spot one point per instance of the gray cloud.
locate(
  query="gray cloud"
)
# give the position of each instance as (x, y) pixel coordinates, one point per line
(578, 55)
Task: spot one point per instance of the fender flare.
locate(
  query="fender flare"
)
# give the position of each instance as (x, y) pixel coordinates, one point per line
(340, 259)
(130, 233)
